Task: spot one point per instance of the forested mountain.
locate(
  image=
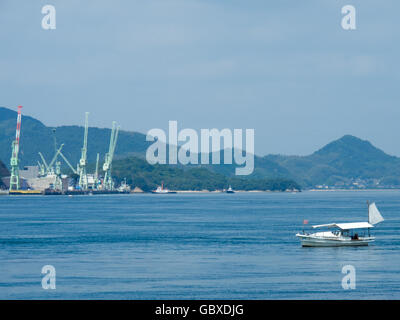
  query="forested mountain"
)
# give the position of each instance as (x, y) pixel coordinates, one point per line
(343, 162)
(3, 173)
(147, 177)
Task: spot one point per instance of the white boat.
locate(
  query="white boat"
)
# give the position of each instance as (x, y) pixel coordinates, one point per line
(124, 187)
(230, 190)
(343, 234)
(162, 190)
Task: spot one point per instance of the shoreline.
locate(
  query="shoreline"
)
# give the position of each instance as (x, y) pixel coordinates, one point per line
(235, 191)
(2, 193)
(286, 191)
(352, 190)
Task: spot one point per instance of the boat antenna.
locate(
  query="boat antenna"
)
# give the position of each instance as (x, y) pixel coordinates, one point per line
(368, 209)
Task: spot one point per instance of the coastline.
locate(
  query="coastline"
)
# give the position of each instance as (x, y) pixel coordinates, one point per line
(235, 191)
(352, 190)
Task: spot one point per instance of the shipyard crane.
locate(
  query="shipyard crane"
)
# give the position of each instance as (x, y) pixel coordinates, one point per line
(108, 182)
(96, 173)
(83, 179)
(45, 166)
(49, 167)
(48, 170)
(68, 163)
(41, 169)
(57, 171)
(14, 162)
(58, 151)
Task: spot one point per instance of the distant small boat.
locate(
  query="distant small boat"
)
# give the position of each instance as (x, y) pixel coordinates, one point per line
(162, 190)
(343, 234)
(124, 187)
(230, 190)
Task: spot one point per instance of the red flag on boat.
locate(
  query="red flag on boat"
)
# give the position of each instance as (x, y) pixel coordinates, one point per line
(305, 221)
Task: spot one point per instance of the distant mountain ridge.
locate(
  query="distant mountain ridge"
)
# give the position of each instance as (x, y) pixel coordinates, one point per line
(341, 163)
(345, 162)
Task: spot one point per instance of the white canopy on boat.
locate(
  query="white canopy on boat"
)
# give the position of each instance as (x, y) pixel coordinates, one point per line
(346, 226)
(329, 225)
(354, 225)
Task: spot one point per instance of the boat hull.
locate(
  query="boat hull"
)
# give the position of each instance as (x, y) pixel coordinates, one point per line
(168, 192)
(310, 241)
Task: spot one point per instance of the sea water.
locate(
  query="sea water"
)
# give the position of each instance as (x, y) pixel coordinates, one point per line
(194, 246)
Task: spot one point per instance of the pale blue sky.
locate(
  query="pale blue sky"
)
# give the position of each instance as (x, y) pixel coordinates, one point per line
(285, 68)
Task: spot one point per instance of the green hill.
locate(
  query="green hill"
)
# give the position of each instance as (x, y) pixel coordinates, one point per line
(3, 173)
(147, 177)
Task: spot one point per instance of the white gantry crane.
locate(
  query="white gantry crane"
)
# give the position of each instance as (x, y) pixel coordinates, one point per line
(96, 173)
(83, 179)
(14, 162)
(108, 183)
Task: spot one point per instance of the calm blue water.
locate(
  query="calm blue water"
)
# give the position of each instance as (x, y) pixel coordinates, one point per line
(198, 246)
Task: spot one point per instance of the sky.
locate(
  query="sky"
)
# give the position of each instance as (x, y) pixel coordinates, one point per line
(284, 68)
